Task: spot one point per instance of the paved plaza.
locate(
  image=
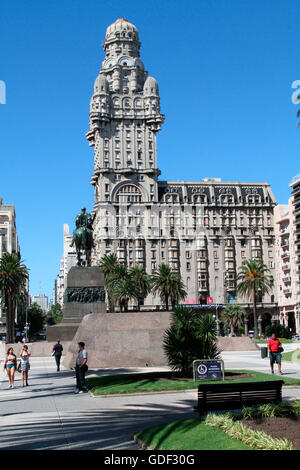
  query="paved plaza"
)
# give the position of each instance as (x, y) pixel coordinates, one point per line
(47, 415)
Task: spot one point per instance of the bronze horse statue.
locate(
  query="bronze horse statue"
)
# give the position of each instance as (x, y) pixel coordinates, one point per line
(83, 237)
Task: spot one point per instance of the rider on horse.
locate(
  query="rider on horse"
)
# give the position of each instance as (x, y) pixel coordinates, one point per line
(83, 236)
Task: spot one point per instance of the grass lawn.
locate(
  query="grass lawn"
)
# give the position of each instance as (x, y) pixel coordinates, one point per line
(282, 340)
(164, 381)
(188, 434)
(288, 356)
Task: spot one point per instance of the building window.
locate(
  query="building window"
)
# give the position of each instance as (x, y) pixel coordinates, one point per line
(129, 194)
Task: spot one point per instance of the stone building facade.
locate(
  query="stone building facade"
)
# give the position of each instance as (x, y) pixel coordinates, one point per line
(204, 229)
(8, 232)
(295, 186)
(67, 261)
(8, 244)
(286, 267)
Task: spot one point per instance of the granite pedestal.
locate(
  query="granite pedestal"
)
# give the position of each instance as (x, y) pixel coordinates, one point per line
(84, 294)
(133, 339)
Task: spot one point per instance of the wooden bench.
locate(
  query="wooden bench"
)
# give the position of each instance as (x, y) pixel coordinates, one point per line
(228, 396)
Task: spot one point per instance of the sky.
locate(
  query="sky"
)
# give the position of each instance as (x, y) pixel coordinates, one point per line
(225, 70)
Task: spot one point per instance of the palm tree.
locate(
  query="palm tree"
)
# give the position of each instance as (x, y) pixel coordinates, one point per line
(142, 282)
(232, 316)
(13, 281)
(120, 287)
(168, 284)
(190, 336)
(178, 291)
(109, 264)
(123, 291)
(254, 277)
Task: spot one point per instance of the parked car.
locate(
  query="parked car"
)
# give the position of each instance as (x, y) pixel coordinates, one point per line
(295, 338)
(251, 333)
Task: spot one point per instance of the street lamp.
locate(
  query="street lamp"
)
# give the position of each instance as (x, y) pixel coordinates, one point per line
(26, 326)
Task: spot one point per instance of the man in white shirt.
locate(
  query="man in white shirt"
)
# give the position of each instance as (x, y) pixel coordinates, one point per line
(81, 368)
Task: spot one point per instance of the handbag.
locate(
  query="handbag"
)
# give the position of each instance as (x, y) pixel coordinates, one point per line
(280, 349)
(19, 367)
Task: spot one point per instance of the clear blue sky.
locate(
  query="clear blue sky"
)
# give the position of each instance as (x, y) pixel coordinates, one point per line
(224, 68)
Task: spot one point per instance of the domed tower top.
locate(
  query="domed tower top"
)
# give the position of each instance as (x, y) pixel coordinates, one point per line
(101, 85)
(151, 87)
(119, 35)
(121, 29)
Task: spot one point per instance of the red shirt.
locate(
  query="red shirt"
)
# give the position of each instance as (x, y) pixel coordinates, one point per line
(273, 344)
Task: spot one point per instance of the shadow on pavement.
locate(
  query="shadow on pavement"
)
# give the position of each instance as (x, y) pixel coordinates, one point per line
(90, 430)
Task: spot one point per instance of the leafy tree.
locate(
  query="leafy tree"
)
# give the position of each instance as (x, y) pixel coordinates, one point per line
(168, 284)
(254, 278)
(280, 330)
(13, 284)
(191, 336)
(232, 316)
(54, 315)
(36, 319)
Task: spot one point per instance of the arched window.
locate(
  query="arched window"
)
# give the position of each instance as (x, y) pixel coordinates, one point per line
(129, 193)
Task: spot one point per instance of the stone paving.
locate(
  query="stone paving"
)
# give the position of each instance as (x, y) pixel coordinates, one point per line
(48, 415)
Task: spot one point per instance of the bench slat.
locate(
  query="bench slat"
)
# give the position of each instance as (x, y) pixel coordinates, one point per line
(226, 396)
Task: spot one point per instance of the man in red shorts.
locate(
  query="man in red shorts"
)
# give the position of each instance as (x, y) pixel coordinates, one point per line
(274, 346)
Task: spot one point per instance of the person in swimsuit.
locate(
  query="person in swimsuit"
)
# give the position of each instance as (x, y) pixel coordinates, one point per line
(10, 364)
(25, 365)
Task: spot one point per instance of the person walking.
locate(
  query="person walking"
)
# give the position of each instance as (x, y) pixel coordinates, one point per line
(25, 364)
(81, 368)
(57, 353)
(275, 349)
(10, 364)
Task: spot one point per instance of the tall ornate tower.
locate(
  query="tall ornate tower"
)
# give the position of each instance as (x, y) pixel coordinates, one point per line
(124, 118)
(203, 229)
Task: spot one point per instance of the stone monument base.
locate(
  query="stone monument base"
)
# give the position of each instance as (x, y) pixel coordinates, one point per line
(62, 331)
(84, 295)
(131, 339)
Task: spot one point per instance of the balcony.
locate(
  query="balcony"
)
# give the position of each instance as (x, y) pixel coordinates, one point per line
(296, 211)
(286, 254)
(287, 291)
(202, 289)
(286, 267)
(287, 279)
(230, 288)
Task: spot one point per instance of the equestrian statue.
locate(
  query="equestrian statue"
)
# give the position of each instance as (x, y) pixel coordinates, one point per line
(83, 237)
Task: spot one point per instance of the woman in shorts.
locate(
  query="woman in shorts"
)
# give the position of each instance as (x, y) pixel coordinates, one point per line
(25, 365)
(10, 364)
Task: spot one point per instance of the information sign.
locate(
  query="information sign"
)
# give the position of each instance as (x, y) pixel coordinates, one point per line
(208, 369)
